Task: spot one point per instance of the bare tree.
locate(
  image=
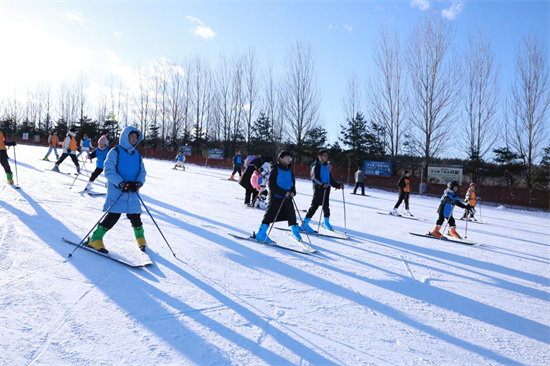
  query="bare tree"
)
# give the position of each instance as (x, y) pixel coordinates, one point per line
(81, 95)
(527, 113)
(388, 92)
(435, 83)
(201, 85)
(176, 99)
(142, 98)
(351, 103)
(223, 100)
(301, 93)
(480, 102)
(272, 104)
(252, 87)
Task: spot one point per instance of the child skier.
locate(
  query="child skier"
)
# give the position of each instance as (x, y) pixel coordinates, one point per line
(259, 183)
(322, 181)
(404, 185)
(100, 154)
(52, 141)
(359, 181)
(4, 156)
(237, 163)
(282, 189)
(85, 145)
(471, 200)
(69, 149)
(180, 159)
(125, 174)
(445, 210)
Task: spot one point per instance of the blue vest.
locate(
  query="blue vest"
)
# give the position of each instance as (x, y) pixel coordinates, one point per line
(128, 165)
(448, 206)
(86, 142)
(180, 157)
(239, 160)
(100, 157)
(325, 173)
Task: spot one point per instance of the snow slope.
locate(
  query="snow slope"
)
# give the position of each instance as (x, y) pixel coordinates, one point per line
(382, 298)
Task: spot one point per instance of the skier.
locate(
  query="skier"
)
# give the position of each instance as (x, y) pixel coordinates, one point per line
(125, 174)
(248, 160)
(404, 192)
(180, 159)
(445, 210)
(52, 141)
(4, 156)
(100, 154)
(282, 188)
(471, 200)
(237, 163)
(259, 183)
(69, 149)
(322, 181)
(359, 181)
(85, 145)
(244, 180)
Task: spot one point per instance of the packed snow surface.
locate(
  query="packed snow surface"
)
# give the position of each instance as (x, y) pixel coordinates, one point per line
(384, 297)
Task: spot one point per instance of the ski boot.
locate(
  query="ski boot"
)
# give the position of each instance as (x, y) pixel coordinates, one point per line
(77, 170)
(56, 168)
(88, 186)
(305, 226)
(435, 232)
(46, 158)
(96, 241)
(452, 232)
(261, 235)
(232, 177)
(408, 213)
(327, 225)
(394, 212)
(10, 178)
(140, 239)
(296, 233)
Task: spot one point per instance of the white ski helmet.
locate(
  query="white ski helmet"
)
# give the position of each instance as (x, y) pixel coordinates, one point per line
(265, 169)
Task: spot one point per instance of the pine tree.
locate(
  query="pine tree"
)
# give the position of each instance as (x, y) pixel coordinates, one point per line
(111, 128)
(509, 165)
(61, 127)
(315, 140)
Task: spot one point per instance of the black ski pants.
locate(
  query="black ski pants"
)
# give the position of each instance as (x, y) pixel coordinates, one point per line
(236, 169)
(111, 219)
(357, 185)
(64, 156)
(95, 174)
(403, 196)
(4, 161)
(250, 193)
(287, 211)
(441, 220)
(318, 194)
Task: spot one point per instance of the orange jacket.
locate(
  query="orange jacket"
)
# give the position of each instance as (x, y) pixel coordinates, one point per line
(471, 197)
(54, 140)
(407, 187)
(72, 145)
(2, 145)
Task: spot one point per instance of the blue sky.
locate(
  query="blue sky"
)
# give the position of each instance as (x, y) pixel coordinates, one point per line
(54, 40)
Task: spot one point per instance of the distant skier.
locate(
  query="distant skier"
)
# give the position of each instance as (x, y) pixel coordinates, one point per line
(282, 188)
(100, 154)
(322, 182)
(404, 185)
(471, 200)
(359, 181)
(244, 180)
(237, 163)
(69, 149)
(4, 156)
(180, 159)
(445, 210)
(259, 181)
(53, 140)
(85, 145)
(125, 174)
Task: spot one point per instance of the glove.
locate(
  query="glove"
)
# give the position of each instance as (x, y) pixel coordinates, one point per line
(125, 186)
(68, 150)
(13, 143)
(478, 198)
(133, 186)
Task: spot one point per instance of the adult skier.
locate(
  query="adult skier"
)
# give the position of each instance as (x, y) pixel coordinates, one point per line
(282, 189)
(245, 179)
(404, 185)
(100, 154)
(445, 210)
(125, 174)
(322, 182)
(4, 156)
(53, 140)
(69, 149)
(359, 181)
(237, 163)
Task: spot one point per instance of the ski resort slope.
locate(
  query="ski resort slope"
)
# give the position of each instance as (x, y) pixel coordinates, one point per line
(384, 297)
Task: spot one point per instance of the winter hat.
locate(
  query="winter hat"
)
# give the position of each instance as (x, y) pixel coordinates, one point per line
(103, 140)
(72, 132)
(406, 172)
(284, 154)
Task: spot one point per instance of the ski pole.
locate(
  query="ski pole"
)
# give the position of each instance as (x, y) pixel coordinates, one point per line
(300, 217)
(16, 175)
(445, 227)
(92, 229)
(345, 224)
(75, 178)
(152, 218)
(466, 230)
(322, 208)
(273, 223)
(480, 215)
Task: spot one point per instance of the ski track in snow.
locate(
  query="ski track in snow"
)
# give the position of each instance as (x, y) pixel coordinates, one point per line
(381, 298)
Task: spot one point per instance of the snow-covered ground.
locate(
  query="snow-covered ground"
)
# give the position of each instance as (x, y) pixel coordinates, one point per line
(383, 298)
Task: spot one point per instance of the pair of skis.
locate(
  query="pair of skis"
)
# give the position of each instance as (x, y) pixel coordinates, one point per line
(307, 249)
(144, 258)
(449, 238)
(402, 216)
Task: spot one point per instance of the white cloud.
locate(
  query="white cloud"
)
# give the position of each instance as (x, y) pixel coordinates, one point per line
(421, 4)
(201, 30)
(118, 34)
(75, 16)
(453, 11)
(349, 28)
(330, 26)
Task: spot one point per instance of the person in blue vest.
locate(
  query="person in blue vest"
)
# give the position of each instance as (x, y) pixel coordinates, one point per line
(282, 188)
(100, 154)
(180, 159)
(85, 145)
(447, 202)
(237, 164)
(322, 181)
(125, 174)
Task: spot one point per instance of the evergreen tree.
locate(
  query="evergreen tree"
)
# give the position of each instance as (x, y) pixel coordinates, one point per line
(315, 140)
(262, 135)
(355, 136)
(61, 127)
(111, 128)
(9, 125)
(509, 166)
(86, 126)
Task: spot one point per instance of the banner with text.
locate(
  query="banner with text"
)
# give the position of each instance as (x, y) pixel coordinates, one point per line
(441, 175)
(215, 154)
(382, 168)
